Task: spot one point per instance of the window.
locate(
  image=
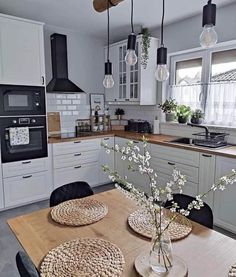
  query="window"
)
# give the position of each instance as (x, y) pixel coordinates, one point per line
(207, 80)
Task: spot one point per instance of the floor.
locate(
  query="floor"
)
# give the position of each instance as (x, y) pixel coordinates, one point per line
(9, 246)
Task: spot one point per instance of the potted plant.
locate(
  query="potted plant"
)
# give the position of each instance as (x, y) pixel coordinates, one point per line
(197, 117)
(119, 113)
(183, 113)
(145, 44)
(169, 108)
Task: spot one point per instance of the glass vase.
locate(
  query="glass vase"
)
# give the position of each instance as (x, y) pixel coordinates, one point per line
(161, 259)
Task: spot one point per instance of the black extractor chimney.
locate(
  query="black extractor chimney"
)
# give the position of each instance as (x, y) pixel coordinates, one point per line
(60, 81)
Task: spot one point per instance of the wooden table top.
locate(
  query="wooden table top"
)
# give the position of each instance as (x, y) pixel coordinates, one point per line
(206, 252)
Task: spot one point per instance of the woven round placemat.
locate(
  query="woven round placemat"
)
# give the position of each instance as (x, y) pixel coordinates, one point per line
(79, 212)
(140, 222)
(232, 271)
(83, 257)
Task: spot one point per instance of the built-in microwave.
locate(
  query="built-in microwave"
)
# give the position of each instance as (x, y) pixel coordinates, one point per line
(22, 100)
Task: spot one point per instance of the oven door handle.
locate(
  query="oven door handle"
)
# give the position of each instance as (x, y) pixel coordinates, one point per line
(35, 127)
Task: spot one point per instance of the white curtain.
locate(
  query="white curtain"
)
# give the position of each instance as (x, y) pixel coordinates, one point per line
(221, 104)
(189, 95)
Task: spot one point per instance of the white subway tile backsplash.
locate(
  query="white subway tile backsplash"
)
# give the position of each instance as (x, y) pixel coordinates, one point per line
(71, 96)
(66, 102)
(60, 96)
(61, 108)
(58, 102)
(76, 102)
(71, 107)
(75, 113)
(67, 113)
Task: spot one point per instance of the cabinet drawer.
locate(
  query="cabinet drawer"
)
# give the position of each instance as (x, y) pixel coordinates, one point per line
(77, 158)
(27, 188)
(166, 167)
(87, 172)
(176, 155)
(24, 167)
(76, 146)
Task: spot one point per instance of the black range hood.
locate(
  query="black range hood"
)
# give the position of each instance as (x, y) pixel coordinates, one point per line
(60, 81)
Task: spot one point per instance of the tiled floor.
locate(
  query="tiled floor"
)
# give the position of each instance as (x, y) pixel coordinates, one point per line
(9, 246)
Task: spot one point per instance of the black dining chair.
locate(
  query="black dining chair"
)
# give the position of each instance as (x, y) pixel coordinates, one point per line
(203, 216)
(25, 266)
(70, 191)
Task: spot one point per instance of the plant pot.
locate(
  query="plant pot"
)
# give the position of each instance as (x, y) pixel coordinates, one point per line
(119, 116)
(182, 120)
(196, 120)
(170, 117)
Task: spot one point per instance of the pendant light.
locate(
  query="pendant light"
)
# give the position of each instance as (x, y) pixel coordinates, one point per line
(208, 37)
(108, 81)
(131, 57)
(162, 72)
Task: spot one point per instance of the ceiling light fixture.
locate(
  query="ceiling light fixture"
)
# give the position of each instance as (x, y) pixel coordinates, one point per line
(162, 72)
(108, 81)
(131, 57)
(208, 37)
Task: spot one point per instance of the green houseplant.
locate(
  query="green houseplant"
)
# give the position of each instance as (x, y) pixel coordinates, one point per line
(145, 44)
(169, 108)
(197, 116)
(119, 113)
(183, 113)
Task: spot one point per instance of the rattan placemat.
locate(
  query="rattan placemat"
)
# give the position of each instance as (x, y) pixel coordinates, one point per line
(79, 212)
(232, 271)
(140, 222)
(83, 257)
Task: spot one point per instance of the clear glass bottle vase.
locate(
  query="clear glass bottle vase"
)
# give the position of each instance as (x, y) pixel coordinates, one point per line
(161, 252)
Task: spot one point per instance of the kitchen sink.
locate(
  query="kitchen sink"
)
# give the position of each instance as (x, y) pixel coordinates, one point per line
(189, 141)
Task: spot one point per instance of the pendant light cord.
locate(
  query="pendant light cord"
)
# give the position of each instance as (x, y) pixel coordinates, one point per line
(162, 24)
(108, 30)
(132, 16)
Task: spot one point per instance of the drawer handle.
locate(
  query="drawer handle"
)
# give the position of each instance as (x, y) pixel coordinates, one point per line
(77, 141)
(28, 162)
(26, 177)
(171, 163)
(135, 141)
(106, 138)
(77, 167)
(78, 154)
(207, 156)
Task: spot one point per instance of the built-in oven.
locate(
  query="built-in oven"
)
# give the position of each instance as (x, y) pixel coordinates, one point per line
(29, 139)
(22, 100)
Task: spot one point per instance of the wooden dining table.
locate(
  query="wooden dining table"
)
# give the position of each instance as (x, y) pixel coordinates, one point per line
(206, 253)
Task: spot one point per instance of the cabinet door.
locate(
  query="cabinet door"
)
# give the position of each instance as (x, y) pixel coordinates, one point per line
(85, 172)
(112, 93)
(207, 176)
(224, 201)
(21, 52)
(106, 159)
(122, 73)
(27, 188)
(134, 78)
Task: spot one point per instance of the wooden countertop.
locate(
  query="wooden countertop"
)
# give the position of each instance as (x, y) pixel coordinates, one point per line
(205, 252)
(229, 151)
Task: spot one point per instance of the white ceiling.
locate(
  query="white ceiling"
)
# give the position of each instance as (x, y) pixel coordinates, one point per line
(80, 15)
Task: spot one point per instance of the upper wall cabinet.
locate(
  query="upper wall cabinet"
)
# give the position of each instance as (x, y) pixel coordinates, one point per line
(21, 52)
(133, 84)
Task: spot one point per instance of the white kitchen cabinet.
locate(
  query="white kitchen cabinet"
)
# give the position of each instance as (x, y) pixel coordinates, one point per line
(21, 52)
(224, 202)
(133, 84)
(83, 172)
(207, 176)
(106, 159)
(26, 189)
(1, 192)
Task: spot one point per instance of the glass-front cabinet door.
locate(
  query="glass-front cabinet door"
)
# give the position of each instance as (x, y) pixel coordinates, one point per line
(122, 73)
(134, 78)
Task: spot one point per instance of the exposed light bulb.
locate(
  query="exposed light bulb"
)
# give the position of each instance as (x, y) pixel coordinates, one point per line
(162, 73)
(208, 37)
(131, 57)
(108, 81)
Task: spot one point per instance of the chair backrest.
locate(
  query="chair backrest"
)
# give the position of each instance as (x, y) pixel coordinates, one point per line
(70, 191)
(203, 216)
(25, 266)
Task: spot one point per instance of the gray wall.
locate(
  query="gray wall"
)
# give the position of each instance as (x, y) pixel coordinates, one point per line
(185, 34)
(85, 59)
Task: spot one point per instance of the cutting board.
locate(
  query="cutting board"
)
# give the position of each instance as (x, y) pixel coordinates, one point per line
(54, 123)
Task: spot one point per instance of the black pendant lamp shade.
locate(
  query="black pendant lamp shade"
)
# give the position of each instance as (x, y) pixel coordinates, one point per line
(131, 42)
(209, 14)
(162, 55)
(108, 68)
